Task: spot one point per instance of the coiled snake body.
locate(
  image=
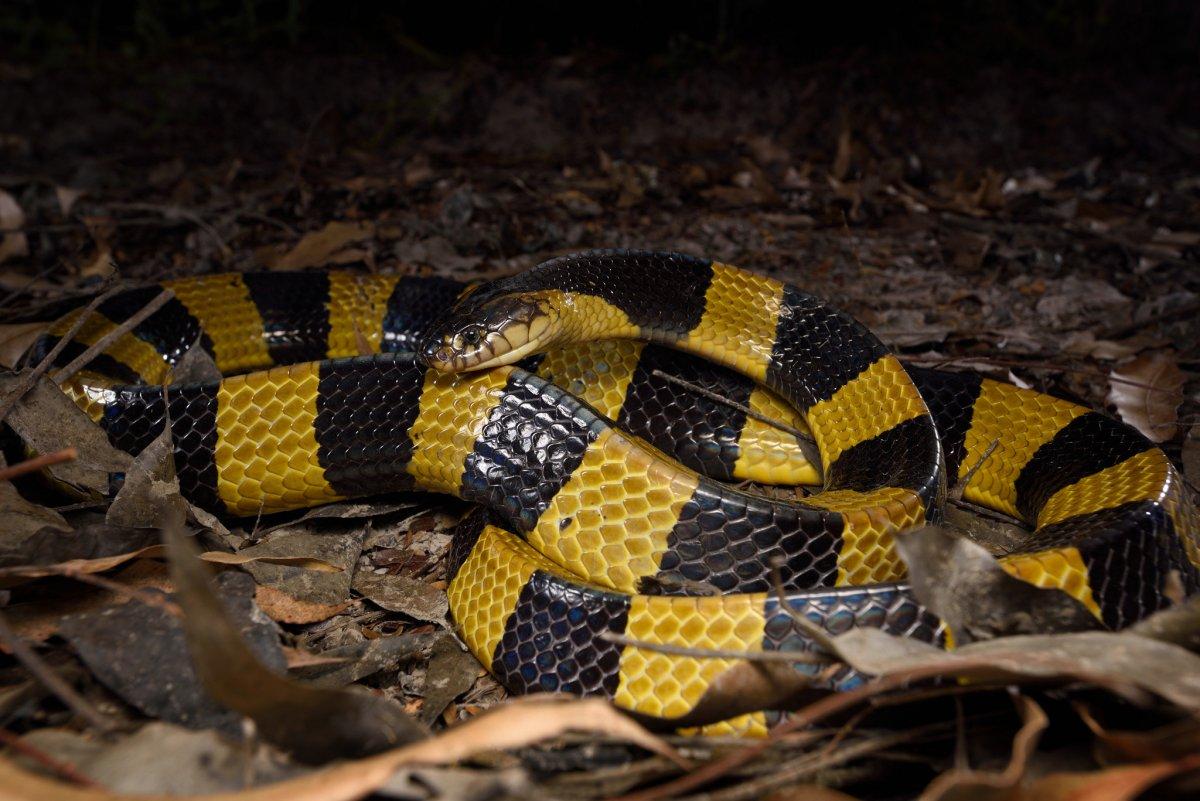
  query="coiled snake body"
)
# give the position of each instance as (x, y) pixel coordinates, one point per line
(591, 529)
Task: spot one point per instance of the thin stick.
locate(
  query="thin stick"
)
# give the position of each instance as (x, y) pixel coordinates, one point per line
(938, 361)
(81, 361)
(53, 682)
(960, 486)
(37, 372)
(815, 633)
(791, 657)
(808, 445)
(64, 769)
(21, 290)
(37, 463)
(796, 769)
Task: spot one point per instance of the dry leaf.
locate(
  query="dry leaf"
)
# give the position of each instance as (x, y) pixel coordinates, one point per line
(100, 265)
(13, 242)
(514, 725)
(283, 608)
(38, 621)
(15, 339)
(306, 562)
(1147, 393)
(1115, 784)
(318, 247)
(12, 576)
(66, 197)
(1191, 455)
(314, 724)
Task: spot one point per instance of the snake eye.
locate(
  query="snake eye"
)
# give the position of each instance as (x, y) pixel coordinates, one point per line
(471, 336)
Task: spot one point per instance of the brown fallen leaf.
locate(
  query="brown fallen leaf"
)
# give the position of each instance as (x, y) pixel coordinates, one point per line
(283, 608)
(46, 420)
(12, 576)
(66, 197)
(1115, 784)
(318, 247)
(314, 724)
(514, 725)
(964, 585)
(38, 621)
(15, 339)
(1147, 393)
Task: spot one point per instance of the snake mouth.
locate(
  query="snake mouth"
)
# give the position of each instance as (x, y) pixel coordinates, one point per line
(491, 343)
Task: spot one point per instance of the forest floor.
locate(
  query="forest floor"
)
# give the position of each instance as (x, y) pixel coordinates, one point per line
(1041, 228)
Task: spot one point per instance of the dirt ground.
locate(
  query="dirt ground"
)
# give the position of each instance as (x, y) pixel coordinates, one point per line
(1039, 225)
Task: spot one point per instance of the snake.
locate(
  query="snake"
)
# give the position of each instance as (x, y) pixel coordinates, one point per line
(550, 398)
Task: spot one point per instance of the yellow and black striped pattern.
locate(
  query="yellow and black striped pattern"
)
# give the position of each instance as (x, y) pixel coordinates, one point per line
(605, 523)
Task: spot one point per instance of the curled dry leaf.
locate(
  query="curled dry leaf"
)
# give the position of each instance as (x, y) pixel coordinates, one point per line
(305, 562)
(1147, 393)
(515, 725)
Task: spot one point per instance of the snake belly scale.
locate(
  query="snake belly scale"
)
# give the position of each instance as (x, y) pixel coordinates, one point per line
(591, 529)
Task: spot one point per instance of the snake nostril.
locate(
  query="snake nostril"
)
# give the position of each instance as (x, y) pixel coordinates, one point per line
(435, 351)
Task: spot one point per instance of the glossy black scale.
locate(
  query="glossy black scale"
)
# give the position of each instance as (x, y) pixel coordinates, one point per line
(727, 540)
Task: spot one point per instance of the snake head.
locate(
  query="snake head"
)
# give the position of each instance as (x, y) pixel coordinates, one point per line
(478, 336)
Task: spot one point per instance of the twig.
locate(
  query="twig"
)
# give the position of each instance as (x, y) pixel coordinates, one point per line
(21, 290)
(938, 361)
(63, 769)
(37, 463)
(799, 768)
(814, 632)
(112, 336)
(808, 445)
(31, 378)
(51, 680)
(990, 514)
(956, 492)
(803, 718)
(791, 657)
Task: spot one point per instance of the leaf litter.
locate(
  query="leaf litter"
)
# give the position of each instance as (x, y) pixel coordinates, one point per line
(1075, 277)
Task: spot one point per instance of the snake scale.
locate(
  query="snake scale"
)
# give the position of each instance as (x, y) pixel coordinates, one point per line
(589, 528)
